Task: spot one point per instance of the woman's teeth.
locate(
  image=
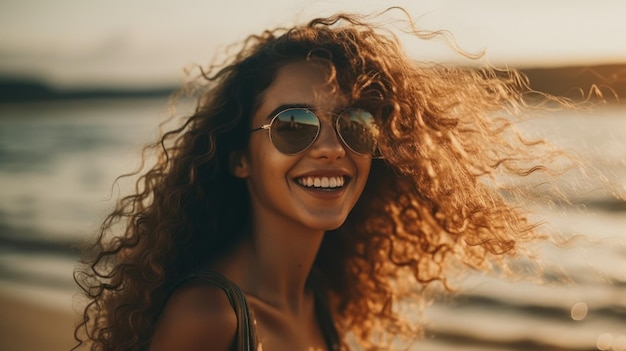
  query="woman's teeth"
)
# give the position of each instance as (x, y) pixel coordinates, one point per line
(321, 182)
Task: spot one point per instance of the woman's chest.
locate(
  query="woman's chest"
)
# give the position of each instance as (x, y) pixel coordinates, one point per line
(278, 331)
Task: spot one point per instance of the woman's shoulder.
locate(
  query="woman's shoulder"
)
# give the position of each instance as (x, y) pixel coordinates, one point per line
(197, 315)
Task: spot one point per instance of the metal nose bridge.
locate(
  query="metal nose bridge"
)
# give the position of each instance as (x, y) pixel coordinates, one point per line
(328, 124)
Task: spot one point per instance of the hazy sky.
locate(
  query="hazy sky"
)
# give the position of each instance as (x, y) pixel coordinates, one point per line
(143, 42)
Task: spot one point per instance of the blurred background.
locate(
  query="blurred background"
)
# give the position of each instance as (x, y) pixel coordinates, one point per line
(83, 85)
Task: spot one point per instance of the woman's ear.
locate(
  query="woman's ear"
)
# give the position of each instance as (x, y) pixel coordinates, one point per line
(238, 165)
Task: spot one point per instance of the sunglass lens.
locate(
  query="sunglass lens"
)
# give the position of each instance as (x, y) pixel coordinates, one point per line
(293, 130)
(358, 130)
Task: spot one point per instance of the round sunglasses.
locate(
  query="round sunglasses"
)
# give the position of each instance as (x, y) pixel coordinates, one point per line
(293, 130)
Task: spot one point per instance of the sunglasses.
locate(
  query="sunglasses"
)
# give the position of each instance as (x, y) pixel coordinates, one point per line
(293, 130)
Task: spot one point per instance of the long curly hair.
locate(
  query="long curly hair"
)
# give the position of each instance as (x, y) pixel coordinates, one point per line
(428, 206)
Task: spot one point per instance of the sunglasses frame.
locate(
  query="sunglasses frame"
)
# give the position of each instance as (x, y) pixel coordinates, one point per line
(375, 154)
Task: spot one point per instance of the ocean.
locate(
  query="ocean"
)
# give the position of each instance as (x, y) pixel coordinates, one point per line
(58, 162)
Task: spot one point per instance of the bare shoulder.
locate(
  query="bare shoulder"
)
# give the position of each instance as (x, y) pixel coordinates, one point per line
(198, 316)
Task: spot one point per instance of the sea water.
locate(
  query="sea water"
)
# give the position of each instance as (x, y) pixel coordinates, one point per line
(58, 162)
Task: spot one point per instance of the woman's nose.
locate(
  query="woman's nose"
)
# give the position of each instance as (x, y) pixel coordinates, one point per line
(328, 145)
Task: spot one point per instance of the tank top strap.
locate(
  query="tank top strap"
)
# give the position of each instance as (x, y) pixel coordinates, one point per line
(245, 339)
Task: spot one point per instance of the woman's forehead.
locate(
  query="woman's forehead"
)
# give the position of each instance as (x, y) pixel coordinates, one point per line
(301, 83)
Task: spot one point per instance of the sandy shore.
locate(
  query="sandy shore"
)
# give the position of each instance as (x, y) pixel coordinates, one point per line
(27, 325)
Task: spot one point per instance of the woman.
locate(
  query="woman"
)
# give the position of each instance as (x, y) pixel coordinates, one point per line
(323, 179)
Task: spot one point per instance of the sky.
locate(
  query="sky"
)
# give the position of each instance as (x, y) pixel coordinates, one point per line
(149, 42)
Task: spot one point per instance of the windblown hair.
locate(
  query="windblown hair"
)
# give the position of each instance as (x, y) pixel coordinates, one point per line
(446, 135)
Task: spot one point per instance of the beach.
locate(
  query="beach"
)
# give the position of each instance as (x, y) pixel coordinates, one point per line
(28, 324)
(58, 161)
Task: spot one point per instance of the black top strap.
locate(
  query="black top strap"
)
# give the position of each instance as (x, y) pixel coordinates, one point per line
(246, 337)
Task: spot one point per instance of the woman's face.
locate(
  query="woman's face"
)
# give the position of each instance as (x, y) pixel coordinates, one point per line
(279, 184)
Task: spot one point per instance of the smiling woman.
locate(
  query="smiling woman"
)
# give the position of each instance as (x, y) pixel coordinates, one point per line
(275, 178)
(322, 181)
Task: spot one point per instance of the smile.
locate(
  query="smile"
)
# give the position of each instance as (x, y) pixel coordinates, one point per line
(322, 182)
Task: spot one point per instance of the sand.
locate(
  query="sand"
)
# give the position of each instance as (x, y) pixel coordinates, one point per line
(26, 325)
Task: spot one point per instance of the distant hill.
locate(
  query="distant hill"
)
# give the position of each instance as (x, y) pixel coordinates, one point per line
(581, 82)
(576, 82)
(14, 89)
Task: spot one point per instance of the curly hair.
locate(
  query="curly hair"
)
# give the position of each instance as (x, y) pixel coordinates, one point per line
(428, 206)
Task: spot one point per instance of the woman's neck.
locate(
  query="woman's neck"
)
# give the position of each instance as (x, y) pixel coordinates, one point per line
(274, 263)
